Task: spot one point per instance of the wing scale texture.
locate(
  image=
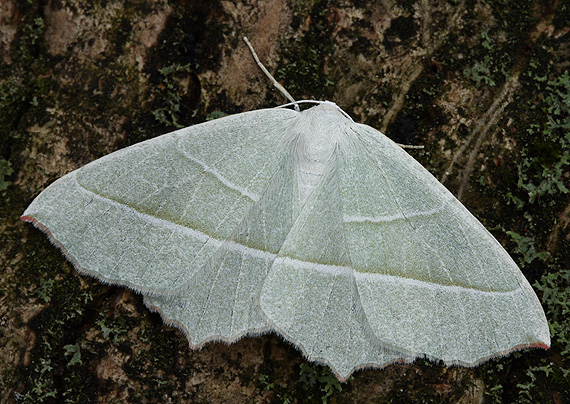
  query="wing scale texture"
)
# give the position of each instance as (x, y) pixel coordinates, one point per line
(302, 223)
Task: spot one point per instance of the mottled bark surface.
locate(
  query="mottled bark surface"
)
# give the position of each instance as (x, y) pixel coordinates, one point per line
(481, 84)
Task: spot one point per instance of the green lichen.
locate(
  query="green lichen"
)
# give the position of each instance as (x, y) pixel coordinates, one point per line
(526, 249)
(64, 313)
(315, 377)
(480, 72)
(515, 19)
(491, 64)
(546, 158)
(538, 120)
(169, 113)
(282, 394)
(5, 171)
(555, 288)
(74, 351)
(302, 61)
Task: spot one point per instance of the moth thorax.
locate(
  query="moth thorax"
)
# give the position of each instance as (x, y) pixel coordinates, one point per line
(320, 129)
(315, 158)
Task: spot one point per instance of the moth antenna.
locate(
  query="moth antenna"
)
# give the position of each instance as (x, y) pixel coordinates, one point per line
(275, 83)
(409, 146)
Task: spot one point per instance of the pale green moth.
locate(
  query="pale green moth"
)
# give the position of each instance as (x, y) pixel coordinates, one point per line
(302, 223)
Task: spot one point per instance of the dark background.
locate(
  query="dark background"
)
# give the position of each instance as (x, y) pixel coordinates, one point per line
(483, 85)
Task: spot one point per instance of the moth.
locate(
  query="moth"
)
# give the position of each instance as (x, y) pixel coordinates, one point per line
(304, 223)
